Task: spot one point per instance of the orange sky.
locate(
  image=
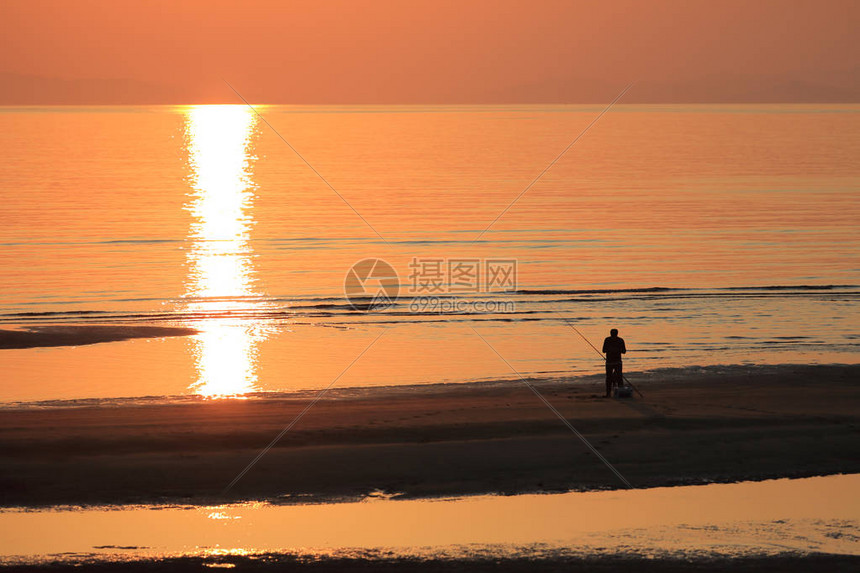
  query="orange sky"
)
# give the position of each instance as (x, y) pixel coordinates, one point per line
(415, 51)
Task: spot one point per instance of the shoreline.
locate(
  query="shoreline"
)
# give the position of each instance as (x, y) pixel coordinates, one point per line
(722, 425)
(668, 375)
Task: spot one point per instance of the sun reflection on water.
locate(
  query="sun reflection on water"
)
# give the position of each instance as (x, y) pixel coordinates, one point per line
(220, 280)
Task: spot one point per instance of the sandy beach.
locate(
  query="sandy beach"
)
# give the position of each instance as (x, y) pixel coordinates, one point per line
(693, 426)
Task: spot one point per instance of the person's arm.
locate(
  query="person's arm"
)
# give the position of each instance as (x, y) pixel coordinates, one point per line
(605, 340)
(623, 347)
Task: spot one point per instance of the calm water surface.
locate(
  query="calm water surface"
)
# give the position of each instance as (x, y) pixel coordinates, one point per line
(675, 224)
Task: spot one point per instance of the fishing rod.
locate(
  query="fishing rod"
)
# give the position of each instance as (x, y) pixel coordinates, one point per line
(601, 355)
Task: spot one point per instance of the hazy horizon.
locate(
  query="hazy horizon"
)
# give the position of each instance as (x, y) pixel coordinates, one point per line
(506, 52)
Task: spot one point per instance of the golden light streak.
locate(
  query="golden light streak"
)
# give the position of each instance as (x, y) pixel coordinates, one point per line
(220, 280)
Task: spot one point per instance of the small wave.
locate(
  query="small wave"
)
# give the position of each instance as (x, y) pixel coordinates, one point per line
(53, 313)
(662, 301)
(594, 291)
(556, 292)
(794, 287)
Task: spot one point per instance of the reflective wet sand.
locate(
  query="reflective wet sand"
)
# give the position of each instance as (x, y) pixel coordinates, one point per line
(748, 518)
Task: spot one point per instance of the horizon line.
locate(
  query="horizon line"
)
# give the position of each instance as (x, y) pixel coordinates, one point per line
(432, 104)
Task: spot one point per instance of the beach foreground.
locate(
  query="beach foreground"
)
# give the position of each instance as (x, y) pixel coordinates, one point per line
(604, 564)
(693, 426)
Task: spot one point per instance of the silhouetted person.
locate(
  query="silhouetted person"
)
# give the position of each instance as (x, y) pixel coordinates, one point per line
(613, 347)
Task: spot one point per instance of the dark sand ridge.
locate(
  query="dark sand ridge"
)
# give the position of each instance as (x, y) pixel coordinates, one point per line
(695, 427)
(37, 336)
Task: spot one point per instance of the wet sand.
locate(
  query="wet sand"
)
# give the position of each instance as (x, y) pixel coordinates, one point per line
(694, 426)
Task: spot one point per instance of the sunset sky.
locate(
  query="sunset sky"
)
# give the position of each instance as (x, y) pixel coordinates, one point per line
(418, 51)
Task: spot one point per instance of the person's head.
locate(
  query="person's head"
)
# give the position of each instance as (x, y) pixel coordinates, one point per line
(613, 332)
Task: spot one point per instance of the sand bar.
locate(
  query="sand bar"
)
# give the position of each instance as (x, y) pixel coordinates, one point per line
(720, 425)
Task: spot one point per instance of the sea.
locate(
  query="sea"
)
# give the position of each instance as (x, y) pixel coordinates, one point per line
(370, 246)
